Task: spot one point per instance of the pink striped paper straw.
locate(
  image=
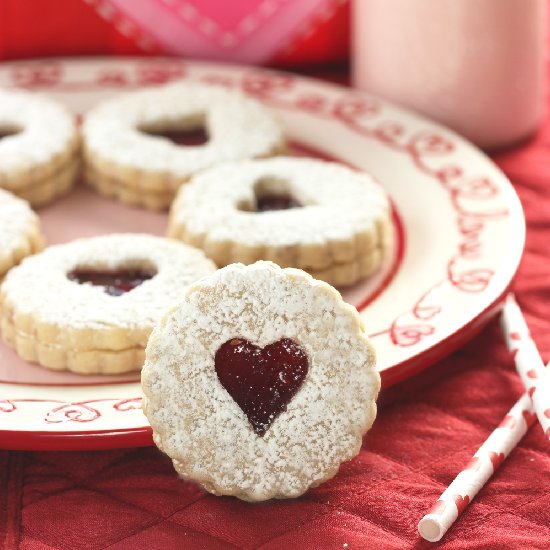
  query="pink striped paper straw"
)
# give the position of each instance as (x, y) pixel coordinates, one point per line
(480, 468)
(528, 361)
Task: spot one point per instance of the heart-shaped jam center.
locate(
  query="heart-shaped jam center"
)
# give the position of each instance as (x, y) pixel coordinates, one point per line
(262, 381)
(267, 203)
(114, 283)
(187, 137)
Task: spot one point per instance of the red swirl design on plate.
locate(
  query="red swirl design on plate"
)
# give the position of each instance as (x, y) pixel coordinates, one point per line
(471, 280)
(351, 107)
(430, 143)
(128, 404)
(389, 132)
(264, 86)
(72, 412)
(159, 73)
(313, 103)
(39, 75)
(7, 406)
(426, 312)
(480, 188)
(409, 335)
(82, 411)
(113, 77)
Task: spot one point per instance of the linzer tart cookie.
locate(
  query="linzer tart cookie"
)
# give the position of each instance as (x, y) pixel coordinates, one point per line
(127, 156)
(260, 383)
(89, 305)
(319, 216)
(20, 233)
(39, 147)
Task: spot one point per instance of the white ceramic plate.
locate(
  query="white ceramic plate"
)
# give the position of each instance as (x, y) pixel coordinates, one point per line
(459, 222)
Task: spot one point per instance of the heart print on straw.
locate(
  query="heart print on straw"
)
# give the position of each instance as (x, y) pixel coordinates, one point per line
(528, 361)
(481, 467)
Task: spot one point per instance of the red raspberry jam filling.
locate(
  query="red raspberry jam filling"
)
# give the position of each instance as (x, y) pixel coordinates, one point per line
(191, 137)
(262, 381)
(114, 283)
(267, 203)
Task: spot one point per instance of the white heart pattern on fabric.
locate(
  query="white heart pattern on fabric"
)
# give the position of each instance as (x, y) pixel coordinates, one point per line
(249, 31)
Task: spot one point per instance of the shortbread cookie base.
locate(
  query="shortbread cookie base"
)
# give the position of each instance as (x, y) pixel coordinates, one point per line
(198, 424)
(45, 139)
(340, 263)
(340, 232)
(238, 127)
(58, 184)
(349, 273)
(154, 192)
(64, 325)
(80, 361)
(111, 187)
(32, 242)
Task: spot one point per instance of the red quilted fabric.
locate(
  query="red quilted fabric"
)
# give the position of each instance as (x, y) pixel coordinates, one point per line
(427, 429)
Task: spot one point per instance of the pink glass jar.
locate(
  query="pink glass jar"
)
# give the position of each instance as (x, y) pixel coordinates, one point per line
(474, 65)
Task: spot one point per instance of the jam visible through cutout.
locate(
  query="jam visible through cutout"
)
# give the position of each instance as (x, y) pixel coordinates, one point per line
(267, 203)
(114, 283)
(262, 381)
(190, 137)
(7, 132)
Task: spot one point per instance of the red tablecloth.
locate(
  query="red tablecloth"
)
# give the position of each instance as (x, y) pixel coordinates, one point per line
(426, 431)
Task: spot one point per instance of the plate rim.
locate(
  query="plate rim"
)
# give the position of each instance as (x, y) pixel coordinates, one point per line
(139, 436)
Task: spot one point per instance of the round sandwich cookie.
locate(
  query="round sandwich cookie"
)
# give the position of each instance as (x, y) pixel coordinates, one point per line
(20, 233)
(39, 147)
(128, 152)
(322, 217)
(89, 305)
(260, 383)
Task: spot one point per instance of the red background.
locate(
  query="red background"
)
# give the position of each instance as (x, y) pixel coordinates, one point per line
(39, 28)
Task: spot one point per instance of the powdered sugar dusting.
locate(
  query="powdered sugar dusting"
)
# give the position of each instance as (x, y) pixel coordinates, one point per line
(46, 132)
(17, 221)
(39, 286)
(199, 425)
(238, 127)
(339, 203)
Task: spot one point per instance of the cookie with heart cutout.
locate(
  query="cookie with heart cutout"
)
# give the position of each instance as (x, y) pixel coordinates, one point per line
(89, 305)
(130, 147)
(260, 383)
(20, 233)
(322, 217)
(39, 146)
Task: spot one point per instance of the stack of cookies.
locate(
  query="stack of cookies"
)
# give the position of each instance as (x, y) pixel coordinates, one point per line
(39, 147)
(322, 217)
(126, 155)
